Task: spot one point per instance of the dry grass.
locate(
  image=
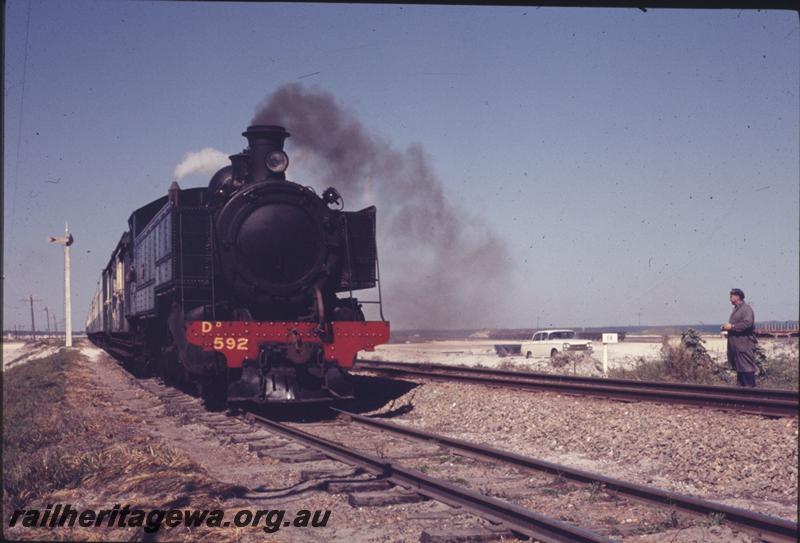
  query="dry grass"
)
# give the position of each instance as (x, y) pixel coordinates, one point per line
(782, 371)
(61, 444)
(37, 435)
(680, 363)
(676, 364)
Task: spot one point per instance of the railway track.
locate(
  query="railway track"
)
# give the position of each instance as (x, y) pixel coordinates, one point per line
(520, 520)
(769, 402)
(299, 443)
(285, 443)
(767, 527)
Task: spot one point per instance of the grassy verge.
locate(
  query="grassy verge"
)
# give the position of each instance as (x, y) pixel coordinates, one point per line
(680, 363)
(37, 434)
(61, 444)
(782, 371)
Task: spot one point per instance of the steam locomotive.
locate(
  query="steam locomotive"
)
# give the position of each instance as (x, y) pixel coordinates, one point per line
(243, 289)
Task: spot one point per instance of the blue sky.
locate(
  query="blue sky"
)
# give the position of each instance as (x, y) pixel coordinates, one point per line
(631, 162)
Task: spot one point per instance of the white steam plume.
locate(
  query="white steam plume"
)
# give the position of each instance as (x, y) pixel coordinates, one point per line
(206, 161)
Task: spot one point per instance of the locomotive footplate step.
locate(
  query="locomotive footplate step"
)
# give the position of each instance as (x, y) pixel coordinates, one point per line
(380, 499)
(464, 535)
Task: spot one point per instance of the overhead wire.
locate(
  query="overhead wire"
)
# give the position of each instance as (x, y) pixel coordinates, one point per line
(19, 124)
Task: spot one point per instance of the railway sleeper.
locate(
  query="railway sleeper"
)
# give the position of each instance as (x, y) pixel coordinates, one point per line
(236, 430)
(310, 474)
(511, 493)
(214, 419)
(478, 534)
(353, 487)
(294, 457)
(395, 496)
(271, 445)
(253, 438)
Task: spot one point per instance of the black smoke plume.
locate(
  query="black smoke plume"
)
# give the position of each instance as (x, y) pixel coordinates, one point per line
(440, 267)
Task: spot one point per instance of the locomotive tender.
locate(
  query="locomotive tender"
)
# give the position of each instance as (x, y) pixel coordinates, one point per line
(243, 288)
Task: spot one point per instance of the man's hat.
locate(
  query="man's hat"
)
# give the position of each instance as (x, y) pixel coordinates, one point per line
(738, 292)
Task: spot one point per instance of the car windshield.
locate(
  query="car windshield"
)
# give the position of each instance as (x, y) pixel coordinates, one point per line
(562, 335)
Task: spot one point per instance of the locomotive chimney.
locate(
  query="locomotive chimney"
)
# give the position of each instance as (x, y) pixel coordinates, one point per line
(264, 140)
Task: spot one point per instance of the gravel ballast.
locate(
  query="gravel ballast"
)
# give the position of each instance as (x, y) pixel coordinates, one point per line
(742, 460)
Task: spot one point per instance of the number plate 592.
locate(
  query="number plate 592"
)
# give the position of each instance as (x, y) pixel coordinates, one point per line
(230, 343)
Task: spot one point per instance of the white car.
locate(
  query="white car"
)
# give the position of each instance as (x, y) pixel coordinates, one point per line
(551, 342)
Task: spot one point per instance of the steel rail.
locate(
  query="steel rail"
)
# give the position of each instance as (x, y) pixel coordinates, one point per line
(721, 397)
(514, 517)
(774, 527)
(773, 393)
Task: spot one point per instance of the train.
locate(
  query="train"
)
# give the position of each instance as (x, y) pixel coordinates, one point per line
(244, 289)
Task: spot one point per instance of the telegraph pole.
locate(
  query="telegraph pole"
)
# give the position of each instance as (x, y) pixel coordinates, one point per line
(47, 319)
(33, 321)
(66, 241)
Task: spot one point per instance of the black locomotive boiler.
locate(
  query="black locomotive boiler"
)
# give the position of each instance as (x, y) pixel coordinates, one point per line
(243, 288)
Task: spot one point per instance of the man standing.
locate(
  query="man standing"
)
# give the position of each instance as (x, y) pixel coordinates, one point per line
(741, 340)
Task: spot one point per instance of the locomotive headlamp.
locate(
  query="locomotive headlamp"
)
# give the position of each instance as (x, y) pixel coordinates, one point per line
(277, 161)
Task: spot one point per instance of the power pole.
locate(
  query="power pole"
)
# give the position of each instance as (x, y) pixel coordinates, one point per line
(66, 241)
(47, 319)
(33, 321)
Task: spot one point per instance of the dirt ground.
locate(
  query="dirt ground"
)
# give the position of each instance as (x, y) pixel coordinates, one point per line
(114, 439)
(123, 444)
